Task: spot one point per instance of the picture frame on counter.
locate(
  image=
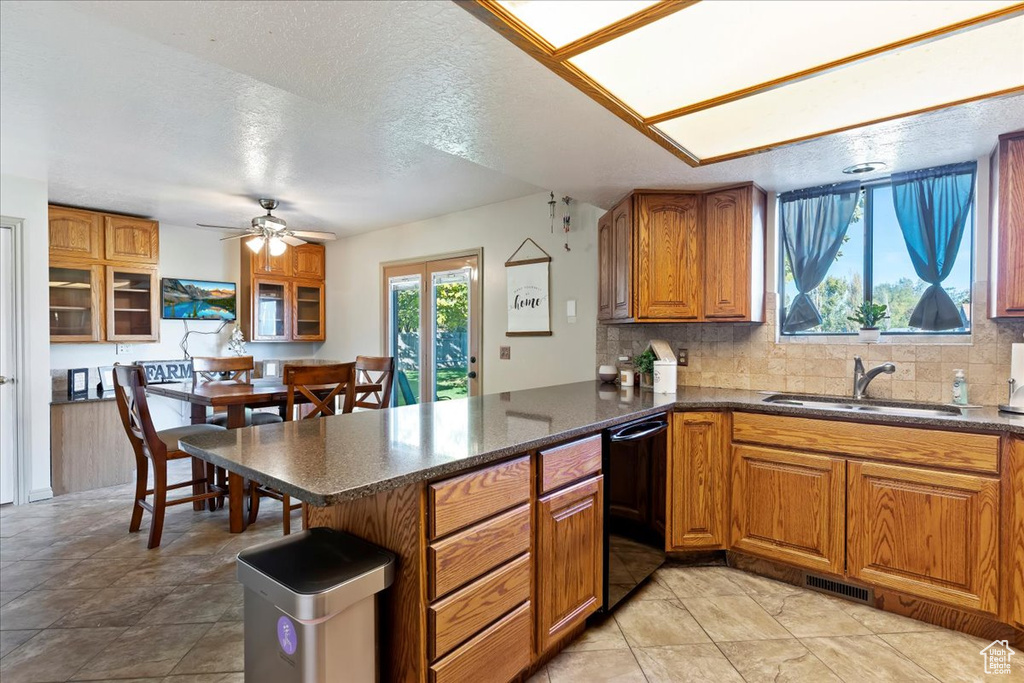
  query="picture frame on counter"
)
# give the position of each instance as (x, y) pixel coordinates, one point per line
(78, 383)
(106, 382)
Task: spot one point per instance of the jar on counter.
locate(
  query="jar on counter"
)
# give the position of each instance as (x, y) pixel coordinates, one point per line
(625, 371)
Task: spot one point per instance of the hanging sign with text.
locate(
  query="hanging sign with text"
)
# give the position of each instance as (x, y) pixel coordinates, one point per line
(529, 310)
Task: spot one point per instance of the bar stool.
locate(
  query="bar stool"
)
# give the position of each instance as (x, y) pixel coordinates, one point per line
(377, 370)
(320, 385)
(151, 446)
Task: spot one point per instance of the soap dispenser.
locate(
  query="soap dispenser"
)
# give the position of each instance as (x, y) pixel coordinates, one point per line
(959, 388)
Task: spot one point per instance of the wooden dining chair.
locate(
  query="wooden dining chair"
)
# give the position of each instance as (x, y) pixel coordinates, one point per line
(376, 370)
(239, 369)
(151, 446)
(321, 386)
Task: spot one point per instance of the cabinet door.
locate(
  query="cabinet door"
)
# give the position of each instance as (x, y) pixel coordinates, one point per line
(789, 507)
(668, 256)
(308, 313)
(133, 301)
(308, 261)
(1014, 525)
(700, 458)
(1008, 256)
(733, 254)
(76, 302)
(134, 240)
(271, 310)
(924, 532)
(75, 233)
(605, 261)
(622, 260)
(570, 538)
(263, 264)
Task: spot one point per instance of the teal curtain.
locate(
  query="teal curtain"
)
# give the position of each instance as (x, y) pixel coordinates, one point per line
(932, 206)
(814, 223)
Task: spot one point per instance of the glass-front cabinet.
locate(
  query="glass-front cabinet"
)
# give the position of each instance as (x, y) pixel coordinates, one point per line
(132, 304)
(308, 323)
(75, 310)
(272, 319)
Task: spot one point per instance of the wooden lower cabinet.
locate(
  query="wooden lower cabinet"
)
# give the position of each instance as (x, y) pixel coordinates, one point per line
(789, 507)
(569, 551)
(699, 466)
(924, 532)
(1014, 525)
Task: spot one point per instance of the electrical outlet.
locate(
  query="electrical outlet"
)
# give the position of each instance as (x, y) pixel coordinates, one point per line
(684, 358)
(505, 352)
(123, 349)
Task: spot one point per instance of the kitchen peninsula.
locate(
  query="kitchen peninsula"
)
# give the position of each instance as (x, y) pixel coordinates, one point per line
(493, 505)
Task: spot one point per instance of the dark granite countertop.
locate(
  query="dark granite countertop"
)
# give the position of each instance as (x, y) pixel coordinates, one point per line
(340, 458)
(60, 397)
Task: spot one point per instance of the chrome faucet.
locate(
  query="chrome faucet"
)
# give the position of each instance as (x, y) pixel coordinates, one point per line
(862, 379)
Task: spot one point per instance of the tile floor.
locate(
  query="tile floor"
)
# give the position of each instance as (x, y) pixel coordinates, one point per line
(82, 600)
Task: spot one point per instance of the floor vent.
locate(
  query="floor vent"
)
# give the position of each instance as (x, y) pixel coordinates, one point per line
(838, 588)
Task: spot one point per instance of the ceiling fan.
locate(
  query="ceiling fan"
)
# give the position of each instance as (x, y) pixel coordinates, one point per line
(271, 232)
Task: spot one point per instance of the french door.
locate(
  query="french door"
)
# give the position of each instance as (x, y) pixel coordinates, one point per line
(432, 323)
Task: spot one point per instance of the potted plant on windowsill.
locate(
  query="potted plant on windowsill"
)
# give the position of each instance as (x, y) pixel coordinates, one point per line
(644, 364)
(868, 315)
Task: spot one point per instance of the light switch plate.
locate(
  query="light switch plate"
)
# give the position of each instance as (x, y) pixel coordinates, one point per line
(570, 308)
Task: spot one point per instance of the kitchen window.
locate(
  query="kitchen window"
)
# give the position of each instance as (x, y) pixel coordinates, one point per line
(874, 264)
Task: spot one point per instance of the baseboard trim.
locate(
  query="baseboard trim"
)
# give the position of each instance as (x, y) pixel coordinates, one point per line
(40, 494)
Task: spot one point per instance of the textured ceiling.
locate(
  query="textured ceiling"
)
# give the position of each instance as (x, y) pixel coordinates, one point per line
(358, 114)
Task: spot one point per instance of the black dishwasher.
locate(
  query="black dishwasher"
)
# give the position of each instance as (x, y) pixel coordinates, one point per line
(635, 466)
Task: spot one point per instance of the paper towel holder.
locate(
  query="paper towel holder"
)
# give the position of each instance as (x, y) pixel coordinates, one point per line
(1009, 407)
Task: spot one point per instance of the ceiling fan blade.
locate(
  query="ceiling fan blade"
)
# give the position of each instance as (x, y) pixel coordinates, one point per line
(236, 237)
(292, 241)
(222, 227)
(315, 234)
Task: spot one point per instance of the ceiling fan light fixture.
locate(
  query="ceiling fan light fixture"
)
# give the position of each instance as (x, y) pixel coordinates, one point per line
(277, 246)
(256, 243)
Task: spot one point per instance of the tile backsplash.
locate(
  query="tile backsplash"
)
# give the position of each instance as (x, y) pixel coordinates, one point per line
(747, 356)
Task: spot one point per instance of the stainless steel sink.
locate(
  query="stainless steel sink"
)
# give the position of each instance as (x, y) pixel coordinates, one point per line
(865, 407)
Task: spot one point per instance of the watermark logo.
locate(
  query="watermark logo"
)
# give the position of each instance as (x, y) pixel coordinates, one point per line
(997, 657)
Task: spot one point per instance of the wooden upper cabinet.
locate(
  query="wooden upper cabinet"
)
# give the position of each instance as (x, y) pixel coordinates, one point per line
(606, 257)
(570, 559)
(1013, 525)
(734, 236)
(75, 233)
(308, 261)
(699, 466)
(131, 240)
(924, 532)
(263, 264)
(132, 304)
(1007, 241)
(668, 256)
(789, 507)
(622, 264)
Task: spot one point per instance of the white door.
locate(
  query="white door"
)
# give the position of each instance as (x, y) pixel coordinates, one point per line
(6, 367)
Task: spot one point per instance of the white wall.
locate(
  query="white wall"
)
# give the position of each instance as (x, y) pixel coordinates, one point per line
(25, 200)
(354, 288)
(187, 253)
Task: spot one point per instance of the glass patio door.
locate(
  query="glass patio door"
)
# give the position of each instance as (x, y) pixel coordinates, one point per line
(432, 328)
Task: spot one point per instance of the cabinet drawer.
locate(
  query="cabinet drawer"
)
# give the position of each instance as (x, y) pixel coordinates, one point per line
(461, 501)
(565, 464)
(495, 656)
(466, 611)
(459, 559)
(929, 447)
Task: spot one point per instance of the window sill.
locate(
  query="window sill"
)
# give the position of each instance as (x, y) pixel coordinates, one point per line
(905, 340)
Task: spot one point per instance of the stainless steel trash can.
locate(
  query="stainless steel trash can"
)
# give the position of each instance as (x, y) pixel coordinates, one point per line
(311, 607)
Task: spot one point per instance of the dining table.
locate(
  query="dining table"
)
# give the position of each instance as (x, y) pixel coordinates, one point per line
(235, 397)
